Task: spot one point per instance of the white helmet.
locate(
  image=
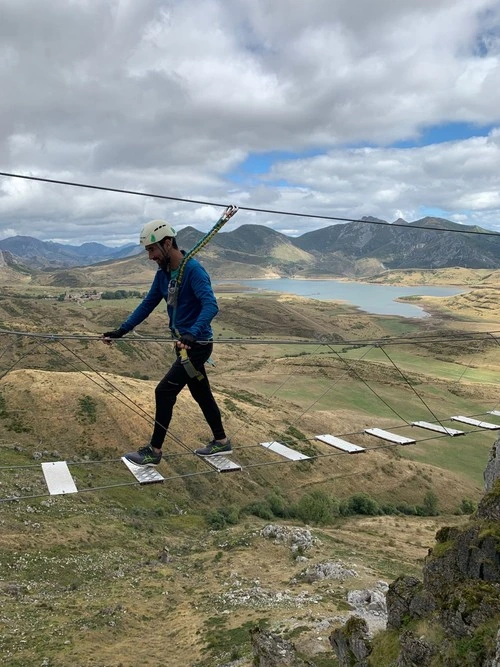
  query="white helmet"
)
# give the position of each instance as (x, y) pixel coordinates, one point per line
(156, 230)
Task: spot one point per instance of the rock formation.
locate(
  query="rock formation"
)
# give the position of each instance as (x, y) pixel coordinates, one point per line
(452, 616)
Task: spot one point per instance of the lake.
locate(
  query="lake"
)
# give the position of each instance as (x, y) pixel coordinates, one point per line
(376, 299)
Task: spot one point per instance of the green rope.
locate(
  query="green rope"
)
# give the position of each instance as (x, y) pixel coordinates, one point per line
(228, 213)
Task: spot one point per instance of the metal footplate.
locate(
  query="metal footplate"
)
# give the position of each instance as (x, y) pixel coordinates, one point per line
(58, 478)
(338, 443)
(476, 422)
(390, 437)
(285, 451)
(143, 474)
(221, 463)
(437, 427)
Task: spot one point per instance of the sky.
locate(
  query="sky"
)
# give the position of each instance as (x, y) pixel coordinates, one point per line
(344, 108)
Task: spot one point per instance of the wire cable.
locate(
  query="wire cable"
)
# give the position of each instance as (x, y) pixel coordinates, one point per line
(405, 378)
(145, 414)
(395, 340)
(244, 208)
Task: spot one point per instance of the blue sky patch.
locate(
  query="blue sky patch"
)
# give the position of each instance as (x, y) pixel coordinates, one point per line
(438, 134)
(256, 165)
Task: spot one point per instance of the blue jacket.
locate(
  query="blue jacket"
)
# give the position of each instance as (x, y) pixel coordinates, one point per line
(196, 303)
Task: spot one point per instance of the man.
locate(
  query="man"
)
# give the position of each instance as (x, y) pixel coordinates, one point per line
(191, 307)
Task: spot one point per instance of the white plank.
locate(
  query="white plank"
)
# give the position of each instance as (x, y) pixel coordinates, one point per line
(494, 412)
(58, 478)
(221, 463)
(391, 437)
(143, 474)
(476, 422)
(285, 451)
(437, 427)
(340, 444)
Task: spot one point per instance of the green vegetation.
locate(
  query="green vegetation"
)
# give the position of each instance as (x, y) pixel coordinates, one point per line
(94, 569)
(319, 508)
(122, 294)
(87, 412)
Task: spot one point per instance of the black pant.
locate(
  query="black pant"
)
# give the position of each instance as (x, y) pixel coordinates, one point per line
(174, 381)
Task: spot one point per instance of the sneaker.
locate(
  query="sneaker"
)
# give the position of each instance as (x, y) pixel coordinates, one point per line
(145, 456)
(215, 448)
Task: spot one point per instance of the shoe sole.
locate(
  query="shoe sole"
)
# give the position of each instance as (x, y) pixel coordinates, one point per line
(142, 465)
(228, 451)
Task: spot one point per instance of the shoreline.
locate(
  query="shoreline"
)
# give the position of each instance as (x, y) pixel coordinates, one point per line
(361, 281)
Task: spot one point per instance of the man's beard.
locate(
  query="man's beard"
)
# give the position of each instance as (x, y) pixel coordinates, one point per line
(164, 263)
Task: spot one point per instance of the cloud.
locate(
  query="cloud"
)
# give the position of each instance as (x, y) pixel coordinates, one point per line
(174, 97)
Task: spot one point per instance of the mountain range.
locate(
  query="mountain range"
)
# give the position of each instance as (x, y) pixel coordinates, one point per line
(48, 254)
(354, 249)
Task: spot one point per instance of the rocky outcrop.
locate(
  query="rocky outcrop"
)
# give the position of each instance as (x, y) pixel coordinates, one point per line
(351, 643)
(492, 471)
(451, 617)
(459, 596)
(271, 650)
(415, 651)
(407, 598)
(299, 539)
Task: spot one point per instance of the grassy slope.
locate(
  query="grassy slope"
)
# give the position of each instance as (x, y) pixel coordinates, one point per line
(84, 578)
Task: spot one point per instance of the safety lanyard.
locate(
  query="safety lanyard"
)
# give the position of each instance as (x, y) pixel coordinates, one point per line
(174, 285)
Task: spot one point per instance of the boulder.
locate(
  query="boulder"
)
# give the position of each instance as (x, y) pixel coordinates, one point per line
(415, 651)
(271, 650)
(351, 643)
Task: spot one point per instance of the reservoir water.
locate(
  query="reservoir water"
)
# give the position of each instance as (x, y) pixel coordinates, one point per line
(376, 299)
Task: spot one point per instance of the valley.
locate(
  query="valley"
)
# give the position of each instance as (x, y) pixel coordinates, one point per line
(188, 564)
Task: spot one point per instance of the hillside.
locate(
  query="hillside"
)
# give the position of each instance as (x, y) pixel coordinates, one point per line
(353, 250)
(88, 573)
(12, 270)
(204, 558)
(407, 246)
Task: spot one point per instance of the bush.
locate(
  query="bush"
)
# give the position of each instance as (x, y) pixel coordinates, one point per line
(278, 506)
(222, 517)
(361, 503)
(405, 508)
(430, 505)
(260, 509)
(467, 506)
(317, 507)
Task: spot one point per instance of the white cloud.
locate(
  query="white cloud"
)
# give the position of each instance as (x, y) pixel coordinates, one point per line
(171, 96)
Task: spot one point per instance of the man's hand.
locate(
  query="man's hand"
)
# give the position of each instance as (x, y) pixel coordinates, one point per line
(109, 335)
(186, 341)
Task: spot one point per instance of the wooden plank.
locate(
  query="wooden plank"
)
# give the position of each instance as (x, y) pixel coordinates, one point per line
(437, 427)
(285, 451)
(340, 444)
(391, 437)
(221, 463)
(144, 474)
(58, 478)
(476, 422)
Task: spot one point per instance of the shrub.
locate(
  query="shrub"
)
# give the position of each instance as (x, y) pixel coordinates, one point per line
(260, 509)
(361, 503)
(278, 506)
(222, 517)
(317, 507)
(430, 504)
(467, 506)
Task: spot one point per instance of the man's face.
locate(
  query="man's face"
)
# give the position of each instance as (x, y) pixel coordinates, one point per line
(159, 253)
